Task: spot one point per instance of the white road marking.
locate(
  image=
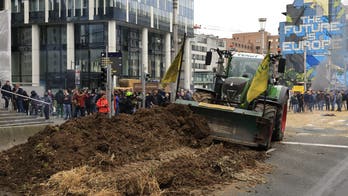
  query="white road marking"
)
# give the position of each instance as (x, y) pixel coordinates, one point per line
(314, 144)
(304, 134)
(270, 150)
(318, 128)
(309, 125)
(326, 184)
(319, 135)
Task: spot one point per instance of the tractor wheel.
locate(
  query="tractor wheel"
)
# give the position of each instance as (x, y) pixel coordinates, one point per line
(280, 122)
(270, 114)
(201, 96)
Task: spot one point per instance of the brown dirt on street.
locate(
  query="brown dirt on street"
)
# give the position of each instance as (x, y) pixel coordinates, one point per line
(158, 151)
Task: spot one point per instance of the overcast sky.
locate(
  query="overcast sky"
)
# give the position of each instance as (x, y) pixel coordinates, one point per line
(224, 17)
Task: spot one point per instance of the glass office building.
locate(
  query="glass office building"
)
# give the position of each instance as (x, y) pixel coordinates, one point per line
(51, 39)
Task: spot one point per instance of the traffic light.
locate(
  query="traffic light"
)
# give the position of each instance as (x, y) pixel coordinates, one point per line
(104, 75)
(147, 77)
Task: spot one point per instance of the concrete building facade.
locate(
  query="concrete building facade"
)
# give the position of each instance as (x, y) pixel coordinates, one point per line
(51, 39)
(252, 42)
(203, 75)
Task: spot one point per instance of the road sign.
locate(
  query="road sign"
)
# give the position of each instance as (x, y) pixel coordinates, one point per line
(105, 61)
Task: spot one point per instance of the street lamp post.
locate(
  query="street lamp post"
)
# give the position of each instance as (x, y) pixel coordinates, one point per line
(304, 63)
(329, 68)
(175, 43)
(262, 22)
(193, 69)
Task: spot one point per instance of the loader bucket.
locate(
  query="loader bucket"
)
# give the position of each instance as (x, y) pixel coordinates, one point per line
(234, 125)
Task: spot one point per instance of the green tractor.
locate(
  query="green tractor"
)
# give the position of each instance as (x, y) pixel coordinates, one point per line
(255, 123)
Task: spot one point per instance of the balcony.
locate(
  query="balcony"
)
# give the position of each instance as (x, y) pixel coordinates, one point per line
(17, 18)
(37, 17)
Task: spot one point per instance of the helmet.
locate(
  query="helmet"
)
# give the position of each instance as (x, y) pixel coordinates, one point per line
(128, 94)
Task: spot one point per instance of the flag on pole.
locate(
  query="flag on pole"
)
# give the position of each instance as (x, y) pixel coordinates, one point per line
(260, 80)
(171, 74)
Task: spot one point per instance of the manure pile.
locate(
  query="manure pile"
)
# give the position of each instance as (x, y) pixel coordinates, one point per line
(158, 151)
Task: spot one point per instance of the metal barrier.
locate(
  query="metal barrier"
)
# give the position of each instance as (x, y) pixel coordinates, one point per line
(16, 94)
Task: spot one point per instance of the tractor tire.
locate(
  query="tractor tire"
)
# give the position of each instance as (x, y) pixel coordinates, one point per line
(270, 114)
(280, 123)
(201, 96)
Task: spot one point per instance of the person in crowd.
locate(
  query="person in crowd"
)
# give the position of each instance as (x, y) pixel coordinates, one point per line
(306, 100)
(339, 98)
(51, 96)
(14, 97)
(294, 103)
(314, 100)
(67, 105)
(148, 100)
(345, 99)
(187, 95)
(300, 102)
(128, 103)
(88, 103)
(181, 94)
(321, 100)
(102, 104)
(332, 100)
(19, 99)
(26, 102)
(327, 101)
(116, 102)
(157, 98)
(59, 96)
(311, 101)
(166, 99)
(47, 105)
(79, 99)
(34, 104)
(6, 95)
(93, 101)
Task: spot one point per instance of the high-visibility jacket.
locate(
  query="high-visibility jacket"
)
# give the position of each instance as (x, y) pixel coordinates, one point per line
(103, 105)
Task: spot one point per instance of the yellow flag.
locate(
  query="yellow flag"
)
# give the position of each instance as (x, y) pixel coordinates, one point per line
(324, 4)
(336, 3)
(260, 80)
(172, 73)
(340, 13)
(288, 18)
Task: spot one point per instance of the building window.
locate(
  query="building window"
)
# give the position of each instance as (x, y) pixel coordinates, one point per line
(15, 6)
(96, 33)
(36, 5)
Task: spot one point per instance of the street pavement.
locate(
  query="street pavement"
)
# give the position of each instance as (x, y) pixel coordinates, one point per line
(311, 161)
(313, 158)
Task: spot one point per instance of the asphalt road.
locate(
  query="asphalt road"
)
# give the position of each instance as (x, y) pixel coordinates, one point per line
(313, 158)
(311, 161)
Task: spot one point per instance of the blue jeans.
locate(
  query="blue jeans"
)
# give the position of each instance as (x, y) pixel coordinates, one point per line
(6, 98)
(20, 107)
(321, 105)
(332, 106)
(295, 108)
(67, 111)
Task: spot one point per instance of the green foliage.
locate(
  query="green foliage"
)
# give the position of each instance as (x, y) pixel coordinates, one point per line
(291, 77)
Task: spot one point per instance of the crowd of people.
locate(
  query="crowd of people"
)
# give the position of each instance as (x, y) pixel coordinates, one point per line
(74, 103)
(334, 100)
(81, 102)
(19, 100)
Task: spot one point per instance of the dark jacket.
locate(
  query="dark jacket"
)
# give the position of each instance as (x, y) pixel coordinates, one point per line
(60, 97)
(7, 88)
